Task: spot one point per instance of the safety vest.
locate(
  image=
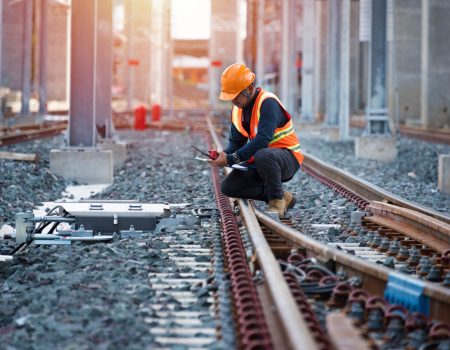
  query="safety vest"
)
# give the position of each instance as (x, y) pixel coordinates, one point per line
(283, 137)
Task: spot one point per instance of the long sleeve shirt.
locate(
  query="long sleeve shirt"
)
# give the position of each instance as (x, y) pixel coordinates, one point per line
(272, 117)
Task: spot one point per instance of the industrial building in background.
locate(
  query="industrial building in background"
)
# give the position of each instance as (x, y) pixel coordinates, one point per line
(382, 64)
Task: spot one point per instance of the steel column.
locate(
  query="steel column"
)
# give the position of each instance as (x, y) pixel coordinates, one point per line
(377, 111)
(222, 44)
(320, 57)
(43, 49)
(130, 70)
(284, 67)
(103, 64)
(287, 67)
(26, 58)
(435, 72)
(157, 52)
(91, 65)
(344, 110)
(332, 99)
(307, 86)
(260, 43)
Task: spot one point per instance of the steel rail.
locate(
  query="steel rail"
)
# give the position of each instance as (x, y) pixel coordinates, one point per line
(373, 275)
(436, 135)
(31, 135)
(365, 189)
(293, 323)
(422, 228)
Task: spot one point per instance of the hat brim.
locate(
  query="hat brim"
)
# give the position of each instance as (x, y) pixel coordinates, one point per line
(228, 97)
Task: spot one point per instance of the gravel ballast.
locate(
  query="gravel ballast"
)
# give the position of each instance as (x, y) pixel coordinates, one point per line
(23, 184)
(97, 295)
(413, 176)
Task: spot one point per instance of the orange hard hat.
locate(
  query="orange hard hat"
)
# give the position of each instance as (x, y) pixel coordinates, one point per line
(235, 78)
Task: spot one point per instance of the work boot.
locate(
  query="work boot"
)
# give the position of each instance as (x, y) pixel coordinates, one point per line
(290, 199)
(277, 206)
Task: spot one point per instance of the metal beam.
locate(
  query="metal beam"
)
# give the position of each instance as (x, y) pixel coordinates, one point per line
(307, 72)
(103, 65)
(332, 100)
(43, 49)
(284, 67)
(287, 68)
(344, 91)
(129, 8)
(377, 111)
(90, 70)
(26, 57)
(260, 42)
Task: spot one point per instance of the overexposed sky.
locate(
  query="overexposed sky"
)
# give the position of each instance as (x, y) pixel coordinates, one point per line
(191, 19)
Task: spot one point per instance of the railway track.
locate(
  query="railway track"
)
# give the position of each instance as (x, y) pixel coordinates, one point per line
(338, 288)
(28, 132)
(246, 280)
(182, 120)
(437, 135)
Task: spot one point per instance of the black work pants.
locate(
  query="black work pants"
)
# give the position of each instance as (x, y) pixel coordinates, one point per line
(272, 166)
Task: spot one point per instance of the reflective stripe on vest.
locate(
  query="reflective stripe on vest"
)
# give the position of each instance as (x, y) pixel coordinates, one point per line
(283, 137)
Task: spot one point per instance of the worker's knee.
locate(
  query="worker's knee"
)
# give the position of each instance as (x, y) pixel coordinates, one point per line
(262, 155)
(227, 188)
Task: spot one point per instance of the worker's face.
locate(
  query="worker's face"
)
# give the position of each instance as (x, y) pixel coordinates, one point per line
(243, 98)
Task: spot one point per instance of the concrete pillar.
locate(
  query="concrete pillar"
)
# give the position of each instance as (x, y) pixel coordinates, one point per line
(157, 52)
(167, 60)
(444, 173)
(365, 22)
(139, 49)
(260, 42)
(308, 69)
(377, 112)
(344, 90)
(377, 142)
(223, 44)
(435, 99)
(91, 67)
(43, 57)
(332, 99)
(354, 57)
(404, 89)
(129, 32)
(58, 45)
(287, 68)
(160, 69)
(26, 57)
(103, 116)
(12, 49)
(90, 95)
(320, 57)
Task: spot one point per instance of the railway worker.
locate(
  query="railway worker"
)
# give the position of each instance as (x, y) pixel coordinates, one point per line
(262, 135)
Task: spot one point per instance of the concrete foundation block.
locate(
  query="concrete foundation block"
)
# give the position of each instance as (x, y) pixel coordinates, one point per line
(119, 151)
(444, 173)
(330, 133)
(84, 165)
(376, 147)
(356, 216)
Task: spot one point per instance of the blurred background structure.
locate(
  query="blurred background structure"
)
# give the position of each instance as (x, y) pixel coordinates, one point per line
(316, 55)
(379, 63)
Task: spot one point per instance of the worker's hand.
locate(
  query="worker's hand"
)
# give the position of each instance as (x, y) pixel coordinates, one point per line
(221, 160)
